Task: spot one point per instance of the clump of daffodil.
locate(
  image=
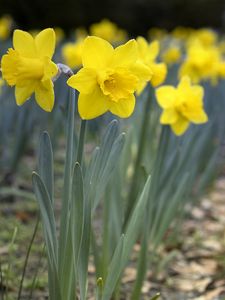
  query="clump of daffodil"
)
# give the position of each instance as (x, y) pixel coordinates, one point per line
(202, 63)
(204, 36)
(172, 54)
(28, 67)
(5, 27)
(108, 31)
(71, 53)
(108, 79)
(181, 33)
(181, 106)
(147, 55)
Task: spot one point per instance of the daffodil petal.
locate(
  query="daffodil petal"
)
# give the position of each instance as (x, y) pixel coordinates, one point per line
(180, 126)
(23, 42)
(96, 53)
(45, 42)
(153, 50)
(143, 72)
(123, 108)
(198, 92)
(125, 54)
(50, 69)
(166, 96)
(44, 95)
(84, 81)
(159, 74)
(23, 93)
(142, 45)
(198, 116)
(185, 83)
(169, 116)
(92, 105)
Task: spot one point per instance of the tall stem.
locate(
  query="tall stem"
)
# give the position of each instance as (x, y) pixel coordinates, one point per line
(141, 148)
(81, 141)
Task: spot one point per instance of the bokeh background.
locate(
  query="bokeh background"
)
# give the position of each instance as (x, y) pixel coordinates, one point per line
(134, 15)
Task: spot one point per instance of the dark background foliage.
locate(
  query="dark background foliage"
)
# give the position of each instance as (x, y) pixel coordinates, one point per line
(134, 15)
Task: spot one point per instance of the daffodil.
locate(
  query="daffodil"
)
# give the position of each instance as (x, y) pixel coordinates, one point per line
(147, 55)
(182, 105)
(171, 55)
(108, 79)
(182, 33)
(202, 63)
(5, 27)
(28, 67)
(205, 36)
(71, 53)
(109, 31)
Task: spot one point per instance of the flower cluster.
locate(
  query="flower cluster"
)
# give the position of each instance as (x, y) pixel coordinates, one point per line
(108, 78)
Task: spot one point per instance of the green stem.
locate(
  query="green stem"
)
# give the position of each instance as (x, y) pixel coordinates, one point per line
(141, 148)
(66, 271)
(142, 268)
(81, 141)
(67, 174)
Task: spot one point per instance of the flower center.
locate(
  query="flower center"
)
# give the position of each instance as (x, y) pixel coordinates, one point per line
(117, 84)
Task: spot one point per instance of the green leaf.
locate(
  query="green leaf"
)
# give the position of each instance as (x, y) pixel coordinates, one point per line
(77, 210)
(103, 162)
(113, 158)
(114, 270)
(45, 163)
(126, 243)
(84, 244)
(49, 228)
(47, 214)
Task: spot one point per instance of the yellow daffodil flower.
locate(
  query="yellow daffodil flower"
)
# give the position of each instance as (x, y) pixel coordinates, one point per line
(147, 55)
(202, 63)
(71, 53)
(181, 33)
(108, 79)
(5, 27)
(172, 55)
(29, 68)
(108, 31)
(205, 36)
(181, 105)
